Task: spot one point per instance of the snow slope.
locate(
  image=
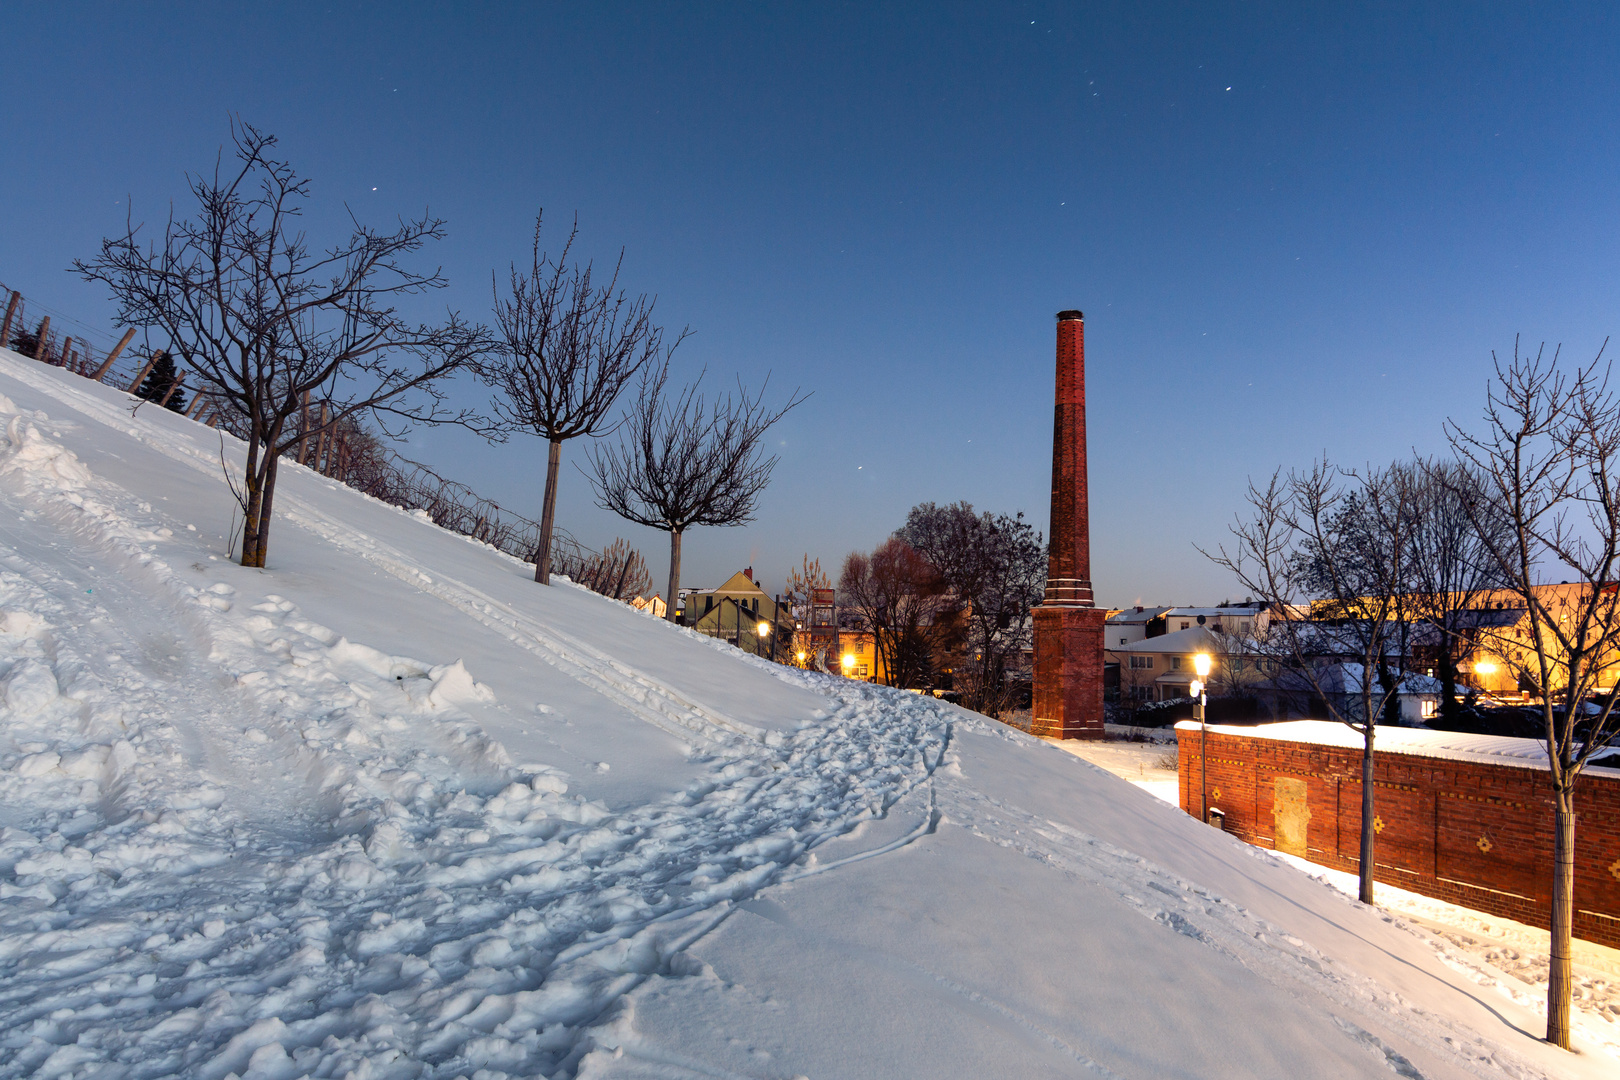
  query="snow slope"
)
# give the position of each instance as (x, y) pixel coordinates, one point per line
(388, 809)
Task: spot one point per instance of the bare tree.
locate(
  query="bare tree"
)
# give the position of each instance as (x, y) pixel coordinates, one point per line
(995, 567)
(803, 582)
(1338, 538)
(1548, 460)
(1452, 570)
(568, 349)
(682, 461)
(901, 598)
(262, 319)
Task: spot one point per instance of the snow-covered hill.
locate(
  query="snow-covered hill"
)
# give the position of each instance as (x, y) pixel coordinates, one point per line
(389, 809)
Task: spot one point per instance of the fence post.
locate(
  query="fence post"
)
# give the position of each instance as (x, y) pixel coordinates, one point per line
(44, 331)
(196, 405)
(11, 316)
(106, 365)
(322, 445)
(303, 429)
(178, 379)
(67, 351)
(142, 376)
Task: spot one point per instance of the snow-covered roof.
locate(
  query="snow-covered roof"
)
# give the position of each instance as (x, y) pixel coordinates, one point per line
(1214, 612)
(1418, 742)
(1191, 640)
(1132, 616)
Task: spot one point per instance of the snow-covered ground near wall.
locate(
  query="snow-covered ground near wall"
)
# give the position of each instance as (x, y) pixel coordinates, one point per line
(389, 809)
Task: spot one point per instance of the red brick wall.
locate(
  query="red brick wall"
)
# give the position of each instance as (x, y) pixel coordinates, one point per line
(1475, 834)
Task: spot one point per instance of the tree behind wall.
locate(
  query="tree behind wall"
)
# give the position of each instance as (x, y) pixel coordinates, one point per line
(1340, 539)
(263, 320)
(1547, 458)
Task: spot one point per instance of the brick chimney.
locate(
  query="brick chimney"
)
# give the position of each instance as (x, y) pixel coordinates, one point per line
(1068, 628)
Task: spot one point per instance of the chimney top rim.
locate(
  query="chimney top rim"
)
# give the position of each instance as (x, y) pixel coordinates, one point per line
(1071, 314)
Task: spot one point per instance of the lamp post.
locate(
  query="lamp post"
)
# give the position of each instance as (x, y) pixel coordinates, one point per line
(761, 632)
(1201, 664)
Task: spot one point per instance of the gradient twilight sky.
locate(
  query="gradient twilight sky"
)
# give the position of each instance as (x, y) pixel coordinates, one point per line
(1290, 233)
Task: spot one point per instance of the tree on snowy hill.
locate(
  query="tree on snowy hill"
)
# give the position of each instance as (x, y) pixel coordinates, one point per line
(902, 600)
(1546, 461)
(160, 381)
(263, 320)
(683, 460)
(567, 350)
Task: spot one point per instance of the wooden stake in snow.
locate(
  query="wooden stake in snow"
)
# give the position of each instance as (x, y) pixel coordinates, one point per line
(196, 405)
(44, 333)
(11, 317)
(178, 379)
(142, 376)
(65, 357)
(106, 365)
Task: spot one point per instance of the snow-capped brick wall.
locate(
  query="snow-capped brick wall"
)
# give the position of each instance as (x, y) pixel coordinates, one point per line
(1472, 828)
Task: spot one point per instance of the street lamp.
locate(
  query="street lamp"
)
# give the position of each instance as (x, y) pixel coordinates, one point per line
(1201, 664)
(849, 665)
(763, 631)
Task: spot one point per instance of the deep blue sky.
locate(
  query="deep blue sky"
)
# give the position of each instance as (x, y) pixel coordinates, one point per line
(1291, 234)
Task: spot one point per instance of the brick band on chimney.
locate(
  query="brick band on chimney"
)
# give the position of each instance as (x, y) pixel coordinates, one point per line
(1068, 572)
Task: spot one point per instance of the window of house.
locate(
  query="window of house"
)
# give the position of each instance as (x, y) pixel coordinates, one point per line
(1175, 663)
(1430, 708)
(1243, 627)
(1124, 641)
(1185, 624)
(861, 671)
(1142, 662)
(708, 604)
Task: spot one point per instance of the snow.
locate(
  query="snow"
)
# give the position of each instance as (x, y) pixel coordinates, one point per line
(389, 809)
(1419, 742)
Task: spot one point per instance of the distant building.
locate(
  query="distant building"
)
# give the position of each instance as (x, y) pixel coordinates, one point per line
(734, 611)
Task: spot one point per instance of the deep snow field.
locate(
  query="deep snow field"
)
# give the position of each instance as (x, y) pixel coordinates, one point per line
(390, 809)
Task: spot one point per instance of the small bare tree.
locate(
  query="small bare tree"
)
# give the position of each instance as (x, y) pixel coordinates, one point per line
(1338, 538)
(263, 320)
(568, 348)
(1548, 460)
(803, 581)
(682, 461)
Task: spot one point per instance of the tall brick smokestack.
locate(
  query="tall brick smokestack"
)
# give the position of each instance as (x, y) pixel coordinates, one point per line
(1068, 627)
(1068, 568)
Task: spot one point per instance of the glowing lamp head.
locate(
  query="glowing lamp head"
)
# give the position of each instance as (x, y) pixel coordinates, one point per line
(849, 661)
(764, 628)
(800, 655)
(1201, 664)
(1196, 688)
(1485, 667)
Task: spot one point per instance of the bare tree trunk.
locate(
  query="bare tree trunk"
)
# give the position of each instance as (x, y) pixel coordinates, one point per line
(548, 514)
(674, 573)
(1368, 832)
(1560, 981)
(1448, 682)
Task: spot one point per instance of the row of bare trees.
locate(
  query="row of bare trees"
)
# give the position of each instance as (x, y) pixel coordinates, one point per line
(1530, 498)
(264, 321)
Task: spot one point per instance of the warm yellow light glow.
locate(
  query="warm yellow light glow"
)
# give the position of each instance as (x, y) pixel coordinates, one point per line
(849, 661)
(1485, 667)
(1195, 689)
(1201, 665)
(764, 628)
(801, 656)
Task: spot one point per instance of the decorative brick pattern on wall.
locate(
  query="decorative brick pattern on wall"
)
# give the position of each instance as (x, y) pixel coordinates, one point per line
(1471, 833)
